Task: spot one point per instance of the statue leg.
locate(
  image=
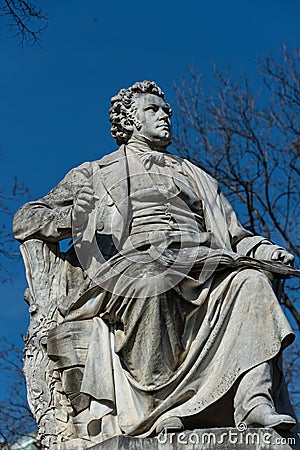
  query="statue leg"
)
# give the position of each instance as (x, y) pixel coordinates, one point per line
(253, 401)
(151, 347)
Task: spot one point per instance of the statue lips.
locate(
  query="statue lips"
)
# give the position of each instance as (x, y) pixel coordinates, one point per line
(164, 126)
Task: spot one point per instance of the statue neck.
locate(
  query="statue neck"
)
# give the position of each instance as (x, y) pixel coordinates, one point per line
(143, 144)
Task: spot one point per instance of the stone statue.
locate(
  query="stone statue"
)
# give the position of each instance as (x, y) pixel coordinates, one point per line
(162, 314)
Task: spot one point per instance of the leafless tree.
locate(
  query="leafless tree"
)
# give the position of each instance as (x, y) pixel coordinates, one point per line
(24, 20)
(15, 417)
(292, 371)
(247, 135)
(27, 22)
(250, 142)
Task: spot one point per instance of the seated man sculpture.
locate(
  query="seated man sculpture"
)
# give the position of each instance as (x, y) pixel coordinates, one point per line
(162, 314)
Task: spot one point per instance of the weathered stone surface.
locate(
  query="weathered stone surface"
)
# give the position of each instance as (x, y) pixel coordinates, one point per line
(209, 439)
(161, 314)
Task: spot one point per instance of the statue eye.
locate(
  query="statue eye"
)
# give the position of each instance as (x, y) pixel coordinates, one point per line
(152, 108)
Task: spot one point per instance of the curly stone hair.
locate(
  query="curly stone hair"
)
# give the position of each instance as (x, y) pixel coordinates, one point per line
(122, 112)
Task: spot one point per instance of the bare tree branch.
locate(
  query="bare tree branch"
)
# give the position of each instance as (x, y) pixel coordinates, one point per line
(249, 139)
(23, 20)
(15, 417)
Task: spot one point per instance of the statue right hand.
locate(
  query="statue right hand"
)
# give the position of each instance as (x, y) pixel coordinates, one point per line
(84, 204)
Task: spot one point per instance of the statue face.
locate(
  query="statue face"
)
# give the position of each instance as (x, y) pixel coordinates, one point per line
(154, 116)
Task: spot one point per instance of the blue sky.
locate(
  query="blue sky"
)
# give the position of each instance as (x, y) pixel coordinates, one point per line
(54, 101)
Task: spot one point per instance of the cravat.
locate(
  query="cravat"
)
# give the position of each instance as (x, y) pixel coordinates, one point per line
(152, 157)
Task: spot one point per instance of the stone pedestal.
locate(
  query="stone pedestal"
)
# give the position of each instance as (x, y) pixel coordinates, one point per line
(208, 439)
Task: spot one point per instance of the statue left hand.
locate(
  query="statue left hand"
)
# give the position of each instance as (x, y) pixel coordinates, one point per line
(284, 257)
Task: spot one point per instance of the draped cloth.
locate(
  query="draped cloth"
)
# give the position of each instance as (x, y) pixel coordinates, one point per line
(170, 335)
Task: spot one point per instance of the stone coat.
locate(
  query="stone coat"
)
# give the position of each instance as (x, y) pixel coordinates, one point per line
(215, 329)
(50, 218)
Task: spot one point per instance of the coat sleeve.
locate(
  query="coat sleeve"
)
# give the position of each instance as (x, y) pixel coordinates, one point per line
(50, 218)
(241, 241)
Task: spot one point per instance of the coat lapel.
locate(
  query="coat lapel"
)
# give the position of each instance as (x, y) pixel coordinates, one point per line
(114, 176)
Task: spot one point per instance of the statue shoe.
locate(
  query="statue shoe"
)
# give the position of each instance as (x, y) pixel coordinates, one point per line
(170, 424)
(265, 416)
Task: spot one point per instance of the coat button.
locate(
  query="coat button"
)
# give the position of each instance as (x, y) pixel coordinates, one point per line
(109, 201)
(99, 225)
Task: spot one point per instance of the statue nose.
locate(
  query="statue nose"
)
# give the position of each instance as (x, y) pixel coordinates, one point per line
(163, 114)
(164, 117)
